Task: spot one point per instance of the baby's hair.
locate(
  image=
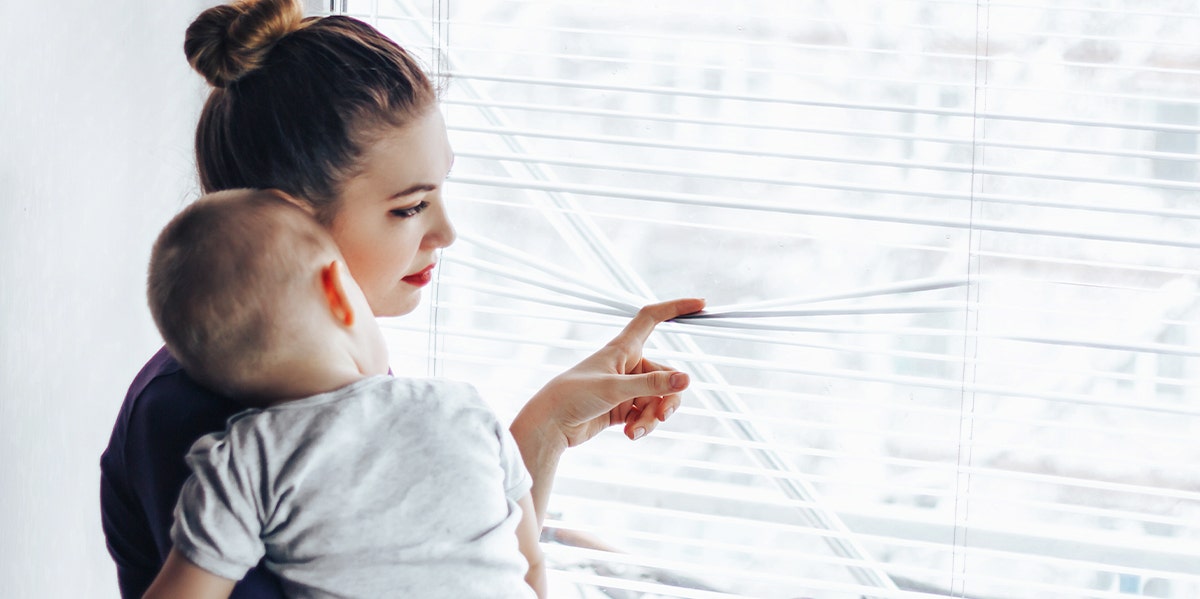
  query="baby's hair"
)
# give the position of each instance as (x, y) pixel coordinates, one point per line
(222, 275)
(296, 100)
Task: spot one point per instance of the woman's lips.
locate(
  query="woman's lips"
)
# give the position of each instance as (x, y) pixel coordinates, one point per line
(422, 278)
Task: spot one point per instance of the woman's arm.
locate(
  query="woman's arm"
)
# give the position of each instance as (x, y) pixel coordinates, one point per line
(181, 579)
(528, 535)
(612, 386)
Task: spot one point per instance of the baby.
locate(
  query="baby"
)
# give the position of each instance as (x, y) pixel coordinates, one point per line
(347, 481)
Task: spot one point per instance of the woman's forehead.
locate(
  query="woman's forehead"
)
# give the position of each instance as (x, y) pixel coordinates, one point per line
(416, 154)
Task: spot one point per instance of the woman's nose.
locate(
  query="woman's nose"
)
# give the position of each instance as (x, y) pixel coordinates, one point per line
(441, 232)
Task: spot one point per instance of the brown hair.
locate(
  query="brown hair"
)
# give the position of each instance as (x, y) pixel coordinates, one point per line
(295, 100)
(222, 275)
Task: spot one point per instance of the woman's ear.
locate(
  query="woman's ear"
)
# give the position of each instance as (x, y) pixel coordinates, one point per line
(335, 294)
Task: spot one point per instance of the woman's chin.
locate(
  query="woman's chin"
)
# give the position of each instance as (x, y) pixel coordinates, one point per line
(396, 306)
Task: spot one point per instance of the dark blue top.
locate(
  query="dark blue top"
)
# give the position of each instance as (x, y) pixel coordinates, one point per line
(143, 469)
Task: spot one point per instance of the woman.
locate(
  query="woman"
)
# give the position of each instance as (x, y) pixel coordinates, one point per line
(332, 112)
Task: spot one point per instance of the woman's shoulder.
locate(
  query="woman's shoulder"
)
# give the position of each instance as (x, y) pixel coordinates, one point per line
(165, 409)
(164, 393)
(143, 468)
(161, 364)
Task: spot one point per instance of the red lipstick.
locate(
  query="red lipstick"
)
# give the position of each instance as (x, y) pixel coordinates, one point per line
(422, 278)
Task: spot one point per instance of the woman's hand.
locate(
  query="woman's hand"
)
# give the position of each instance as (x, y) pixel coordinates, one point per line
(612, 386)
(617, 385)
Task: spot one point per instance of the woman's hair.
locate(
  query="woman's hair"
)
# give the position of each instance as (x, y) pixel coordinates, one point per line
(295, 100)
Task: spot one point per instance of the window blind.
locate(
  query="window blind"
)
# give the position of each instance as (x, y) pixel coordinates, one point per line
(952, 255)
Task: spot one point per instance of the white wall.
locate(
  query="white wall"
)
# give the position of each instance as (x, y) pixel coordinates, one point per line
(97, 109)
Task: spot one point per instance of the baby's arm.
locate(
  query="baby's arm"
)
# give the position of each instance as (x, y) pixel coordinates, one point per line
(182, 579)
(527, 538)
(216, 537)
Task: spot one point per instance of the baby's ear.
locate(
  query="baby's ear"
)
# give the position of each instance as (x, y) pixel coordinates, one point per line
(336, 300)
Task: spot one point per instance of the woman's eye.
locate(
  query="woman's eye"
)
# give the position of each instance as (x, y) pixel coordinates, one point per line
(409, 212)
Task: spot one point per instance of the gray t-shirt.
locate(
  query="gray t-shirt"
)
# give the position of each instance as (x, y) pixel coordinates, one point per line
(387, 487)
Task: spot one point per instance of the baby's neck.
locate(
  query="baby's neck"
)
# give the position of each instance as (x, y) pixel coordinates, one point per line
(308, 374)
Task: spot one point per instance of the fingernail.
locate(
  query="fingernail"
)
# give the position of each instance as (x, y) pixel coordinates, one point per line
(669, 412)
(679, 380)
(638, 433)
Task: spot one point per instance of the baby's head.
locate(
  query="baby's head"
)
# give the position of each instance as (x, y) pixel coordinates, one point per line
(243, 284)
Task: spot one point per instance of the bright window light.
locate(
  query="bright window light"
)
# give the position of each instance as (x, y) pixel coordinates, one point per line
(952, 256)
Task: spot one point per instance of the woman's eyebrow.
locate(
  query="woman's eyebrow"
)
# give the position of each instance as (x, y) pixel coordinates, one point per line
(419, 187)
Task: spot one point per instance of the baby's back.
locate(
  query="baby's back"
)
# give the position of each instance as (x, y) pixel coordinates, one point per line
(388, 487)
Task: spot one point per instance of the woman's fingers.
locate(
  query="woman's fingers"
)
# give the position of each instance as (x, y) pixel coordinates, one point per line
(658, 390)
(604, 382)
(657, 383)
(634, 335)
(667, 406)
(641, 420)
(643, 413)
(647, 413)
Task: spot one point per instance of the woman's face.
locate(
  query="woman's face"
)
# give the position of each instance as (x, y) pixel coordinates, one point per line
(391, 217)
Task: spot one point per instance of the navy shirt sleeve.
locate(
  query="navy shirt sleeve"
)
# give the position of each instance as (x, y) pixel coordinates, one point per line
(143, 470)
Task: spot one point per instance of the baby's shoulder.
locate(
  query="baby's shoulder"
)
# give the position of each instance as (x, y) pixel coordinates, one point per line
(455, 403)
(432, 390)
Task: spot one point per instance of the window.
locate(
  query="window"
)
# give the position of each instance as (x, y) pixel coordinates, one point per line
(952, 248)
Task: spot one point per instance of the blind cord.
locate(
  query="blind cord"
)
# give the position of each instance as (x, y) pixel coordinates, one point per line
(966, 430)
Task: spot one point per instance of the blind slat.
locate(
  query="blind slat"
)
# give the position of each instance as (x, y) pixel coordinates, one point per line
(1123, 543)
(889, 163)
(1044, 260)
(842, 186)
(608, 557)
(844, 132)
(591, 504)
(846, 105)
(714, 202)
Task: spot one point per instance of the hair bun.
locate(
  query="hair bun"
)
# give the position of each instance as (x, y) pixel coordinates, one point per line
(228, 41)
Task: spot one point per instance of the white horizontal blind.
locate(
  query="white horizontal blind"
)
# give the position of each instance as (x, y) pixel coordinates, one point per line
(952, 251)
